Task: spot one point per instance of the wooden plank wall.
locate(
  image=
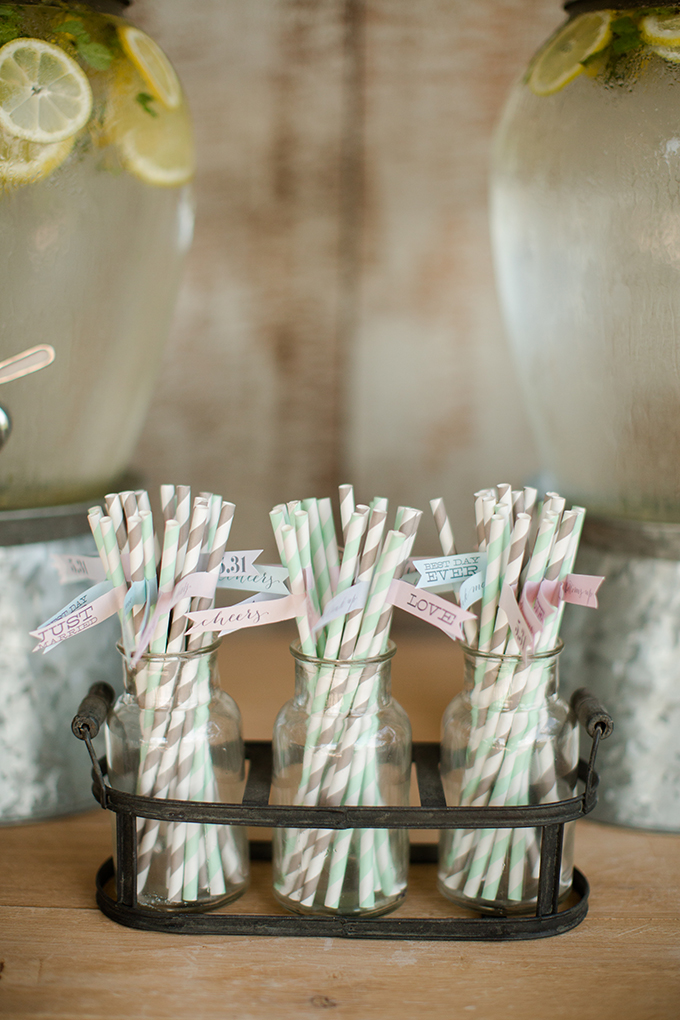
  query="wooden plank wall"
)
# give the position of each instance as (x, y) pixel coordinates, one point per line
(337, 319)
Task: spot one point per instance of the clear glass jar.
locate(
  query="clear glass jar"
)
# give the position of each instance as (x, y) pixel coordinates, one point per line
(507, 739)
(342, 739)
(174, 734)
(585, 201)
(96, 216)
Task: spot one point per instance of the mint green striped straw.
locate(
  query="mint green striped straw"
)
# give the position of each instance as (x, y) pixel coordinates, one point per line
(322, 576)
(297, 586)
(330, 540)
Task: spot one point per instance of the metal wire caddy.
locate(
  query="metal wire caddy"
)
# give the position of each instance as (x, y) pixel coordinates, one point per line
(256, 811)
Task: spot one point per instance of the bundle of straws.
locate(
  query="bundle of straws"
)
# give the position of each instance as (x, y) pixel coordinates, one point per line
(339, 764)
(174, 696)
(524, 544)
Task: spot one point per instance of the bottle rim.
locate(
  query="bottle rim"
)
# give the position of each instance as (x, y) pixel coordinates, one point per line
(300, 656)
(500, 657)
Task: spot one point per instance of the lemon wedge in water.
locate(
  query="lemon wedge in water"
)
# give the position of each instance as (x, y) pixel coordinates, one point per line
(154, 143)
(562, 59)
(661, 29)
(44, 95)
(152, 64)
(23, 162)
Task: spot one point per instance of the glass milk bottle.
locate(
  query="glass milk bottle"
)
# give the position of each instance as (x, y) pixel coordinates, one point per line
(353, 750)
(507, 739)
(174, 734)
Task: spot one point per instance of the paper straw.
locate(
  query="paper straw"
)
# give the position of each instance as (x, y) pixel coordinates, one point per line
(278, 517)
(346, 506)
(407, 521)
(443, 526)
(318, 551)
(367, 563)
(168, 502)
(517, 503)
(136, 566)
(491, 582)
(297, 586)
(114, 509)
(329, 540)
(129, 501)
(302, 537)
(183, 517)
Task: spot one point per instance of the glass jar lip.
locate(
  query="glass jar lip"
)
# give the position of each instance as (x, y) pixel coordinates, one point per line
(150, 657)
(550, 653)
(300, 656)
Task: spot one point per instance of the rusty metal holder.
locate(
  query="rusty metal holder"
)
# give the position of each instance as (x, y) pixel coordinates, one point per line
(255, 810)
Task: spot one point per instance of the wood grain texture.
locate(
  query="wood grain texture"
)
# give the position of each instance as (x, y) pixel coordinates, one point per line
(62, 960)
(434, 406)
(248, 401)
(68, 961)
(338, 319)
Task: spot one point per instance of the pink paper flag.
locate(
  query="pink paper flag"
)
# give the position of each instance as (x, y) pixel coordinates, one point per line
(447, 616)
(248, 613)
(518, 625)
(581, 589)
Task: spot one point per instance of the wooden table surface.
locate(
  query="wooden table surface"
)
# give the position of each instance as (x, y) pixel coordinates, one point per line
(61, 958)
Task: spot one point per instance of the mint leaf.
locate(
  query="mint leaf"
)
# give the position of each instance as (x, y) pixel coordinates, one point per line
(7, 33)
(95, 54)
(626, 36)
(75, 28)
(144, 99)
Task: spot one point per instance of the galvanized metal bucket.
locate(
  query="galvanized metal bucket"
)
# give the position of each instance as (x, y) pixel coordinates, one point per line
(628, 654)
(41, 774)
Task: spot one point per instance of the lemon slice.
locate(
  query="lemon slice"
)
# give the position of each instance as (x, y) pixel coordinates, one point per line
(23, 162)
(152, 64)
(667, 53)
(153, 143)
(562, 59)
(44, 95)
(661, 29)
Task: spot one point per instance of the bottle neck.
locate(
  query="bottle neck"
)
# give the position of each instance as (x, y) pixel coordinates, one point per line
(173, 681)
(509, 682)
(342, 687)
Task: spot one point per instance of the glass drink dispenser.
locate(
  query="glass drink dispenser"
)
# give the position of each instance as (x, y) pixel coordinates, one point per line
(96, 216)
(585, 199)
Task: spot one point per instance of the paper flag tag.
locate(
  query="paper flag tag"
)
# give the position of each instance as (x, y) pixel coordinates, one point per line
(78, 568)
(429, 607)
(266, 578)
(449, 569)
(534, 618)
(471, 590)
(547, 600)
(519, 627)
(138, 594)
(197, 585)
(581, 589)
(239, 563)
(253, 612)
(92, 607)
(345, 602)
